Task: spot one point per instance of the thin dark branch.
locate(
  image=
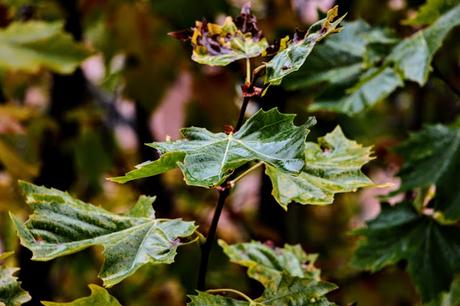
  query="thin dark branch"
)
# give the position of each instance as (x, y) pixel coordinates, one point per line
(242, 113)
(224, 189)
(2, 96)
(206, 248)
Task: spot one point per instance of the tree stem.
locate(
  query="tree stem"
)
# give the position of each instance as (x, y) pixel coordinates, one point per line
(224, 191)
(206, 248)
(242, 113)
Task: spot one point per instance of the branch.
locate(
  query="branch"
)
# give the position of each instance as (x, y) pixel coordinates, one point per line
(206, 248)
(249, 91)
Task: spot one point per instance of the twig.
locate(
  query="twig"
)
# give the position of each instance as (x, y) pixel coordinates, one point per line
(206, 248)
(225, 187)
(241, 294)
(248, 71)
(242, 113)
(232, 183)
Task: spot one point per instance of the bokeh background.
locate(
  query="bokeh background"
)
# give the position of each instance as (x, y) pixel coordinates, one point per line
(139, 85)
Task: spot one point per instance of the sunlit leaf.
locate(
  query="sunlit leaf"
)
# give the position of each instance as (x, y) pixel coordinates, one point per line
(11, 293)
(267, 264)
(291, 58)
(432, 157)
(63, 225)
(209, 158)
(288, 275)
(29, 46)
(99, 296)
(431, 250)
(219, 45)
(333, 165)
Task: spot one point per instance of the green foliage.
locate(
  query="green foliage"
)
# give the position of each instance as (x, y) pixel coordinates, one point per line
(349, 73)
(63, 225)
(11, 293)
(331, 166)
(430, 11)
(382, 71)
(99, 296)
(210, 158)
(432, 157)
(432, 250)
(29, 46)
(341, 58)
(165, 163)
(290, 59)
(267, 264)
(288, 275)
(206, 299)
(375, 85)
(412, 57)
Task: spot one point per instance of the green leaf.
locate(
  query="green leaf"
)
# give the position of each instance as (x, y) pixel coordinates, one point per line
(267, 265)
(413, 56)
(11, 293)
(207, 299)
(341, 73)
(410, 59)
(374, 86)
(63, 225)
(165, 163)
(291, 291)
(430, 11)
(399, 233)
(331, 166)
(99, 296)
(209, 158)
(288, 275)
(432, 157)
(291, 58)
(30, 46)
(341, 58)
(296, 291)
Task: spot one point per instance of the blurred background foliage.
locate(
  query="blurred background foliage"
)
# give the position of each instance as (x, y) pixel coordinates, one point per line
(116, 80)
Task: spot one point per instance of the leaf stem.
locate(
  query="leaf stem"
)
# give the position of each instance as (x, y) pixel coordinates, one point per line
(239, 177)
(248, 71)
(206, 247)
(239, 293)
